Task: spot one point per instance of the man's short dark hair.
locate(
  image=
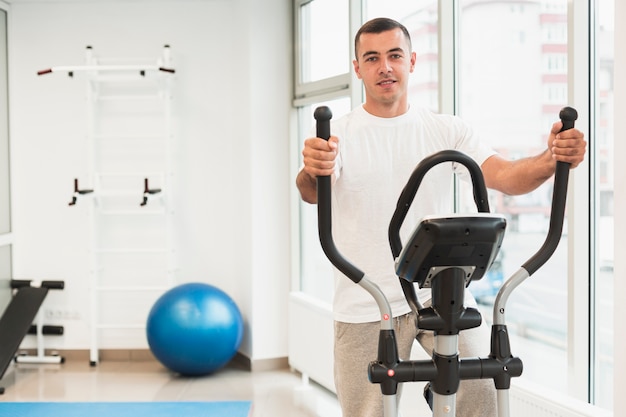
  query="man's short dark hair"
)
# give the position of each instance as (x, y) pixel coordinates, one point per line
(379, 25)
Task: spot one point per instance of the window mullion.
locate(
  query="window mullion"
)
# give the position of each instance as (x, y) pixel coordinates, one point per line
(578, 211)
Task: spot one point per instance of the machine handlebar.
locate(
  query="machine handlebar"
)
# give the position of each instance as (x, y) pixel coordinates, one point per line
(322, 116)
(568, 116)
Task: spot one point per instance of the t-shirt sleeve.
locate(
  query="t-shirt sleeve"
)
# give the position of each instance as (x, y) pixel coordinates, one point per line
(468, 142)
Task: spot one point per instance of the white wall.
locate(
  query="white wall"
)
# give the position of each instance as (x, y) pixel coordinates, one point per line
(232, 95)
(269, 157)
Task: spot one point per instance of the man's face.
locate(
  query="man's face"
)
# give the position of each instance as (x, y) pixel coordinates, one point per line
(384, 63)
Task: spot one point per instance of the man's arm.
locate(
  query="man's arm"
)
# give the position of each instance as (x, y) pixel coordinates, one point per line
(520, 176)
(525, 175)
(307, 186)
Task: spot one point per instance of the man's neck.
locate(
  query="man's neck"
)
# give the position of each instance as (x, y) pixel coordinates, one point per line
(386, 110)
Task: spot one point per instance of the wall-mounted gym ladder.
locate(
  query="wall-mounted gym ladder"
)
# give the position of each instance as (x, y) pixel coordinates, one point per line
(128, 189)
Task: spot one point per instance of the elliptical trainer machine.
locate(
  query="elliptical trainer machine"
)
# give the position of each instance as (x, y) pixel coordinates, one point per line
(444, 254)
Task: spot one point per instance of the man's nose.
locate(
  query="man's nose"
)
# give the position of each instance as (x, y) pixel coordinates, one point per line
(385, 66)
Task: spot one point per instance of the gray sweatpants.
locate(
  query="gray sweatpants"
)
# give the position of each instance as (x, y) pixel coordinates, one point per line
(356, 345)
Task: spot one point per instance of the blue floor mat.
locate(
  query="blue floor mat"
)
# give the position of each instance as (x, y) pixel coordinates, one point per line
(126, 409)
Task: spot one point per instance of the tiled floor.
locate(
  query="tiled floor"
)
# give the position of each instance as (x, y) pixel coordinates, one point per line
(279, 393)
(273, 393)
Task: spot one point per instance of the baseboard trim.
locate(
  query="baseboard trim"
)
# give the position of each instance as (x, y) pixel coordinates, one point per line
(260, 365)
(142, 355)
(120, 355)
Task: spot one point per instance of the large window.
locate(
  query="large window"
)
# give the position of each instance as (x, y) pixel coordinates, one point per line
(506, 67)
(512, 92)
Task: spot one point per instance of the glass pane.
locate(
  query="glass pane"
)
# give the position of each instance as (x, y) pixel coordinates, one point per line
(513, 82)
(324, 53)
(421, 19)
(5, 198)
(316, 271)
(604, 185)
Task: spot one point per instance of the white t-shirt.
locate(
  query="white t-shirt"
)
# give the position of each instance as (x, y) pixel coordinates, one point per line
(375, 160)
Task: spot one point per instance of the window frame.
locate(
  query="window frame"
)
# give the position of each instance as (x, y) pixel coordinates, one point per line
(331, 87)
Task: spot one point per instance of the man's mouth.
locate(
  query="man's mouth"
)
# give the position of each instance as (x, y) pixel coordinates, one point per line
(385, 83)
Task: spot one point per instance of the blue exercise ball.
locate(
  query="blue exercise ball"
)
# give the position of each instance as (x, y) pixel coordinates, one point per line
(194, 329)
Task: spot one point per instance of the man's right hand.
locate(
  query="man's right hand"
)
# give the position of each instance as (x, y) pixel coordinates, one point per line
(319, 156)
(319, 160)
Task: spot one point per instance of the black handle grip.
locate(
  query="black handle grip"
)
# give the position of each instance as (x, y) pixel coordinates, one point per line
(568, 116)
(322, 116)
(53, 285)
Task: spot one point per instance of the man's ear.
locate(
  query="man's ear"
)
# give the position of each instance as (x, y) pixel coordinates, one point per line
(355, 63)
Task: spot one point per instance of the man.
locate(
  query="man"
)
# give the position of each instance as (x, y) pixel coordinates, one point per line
(370, 156)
